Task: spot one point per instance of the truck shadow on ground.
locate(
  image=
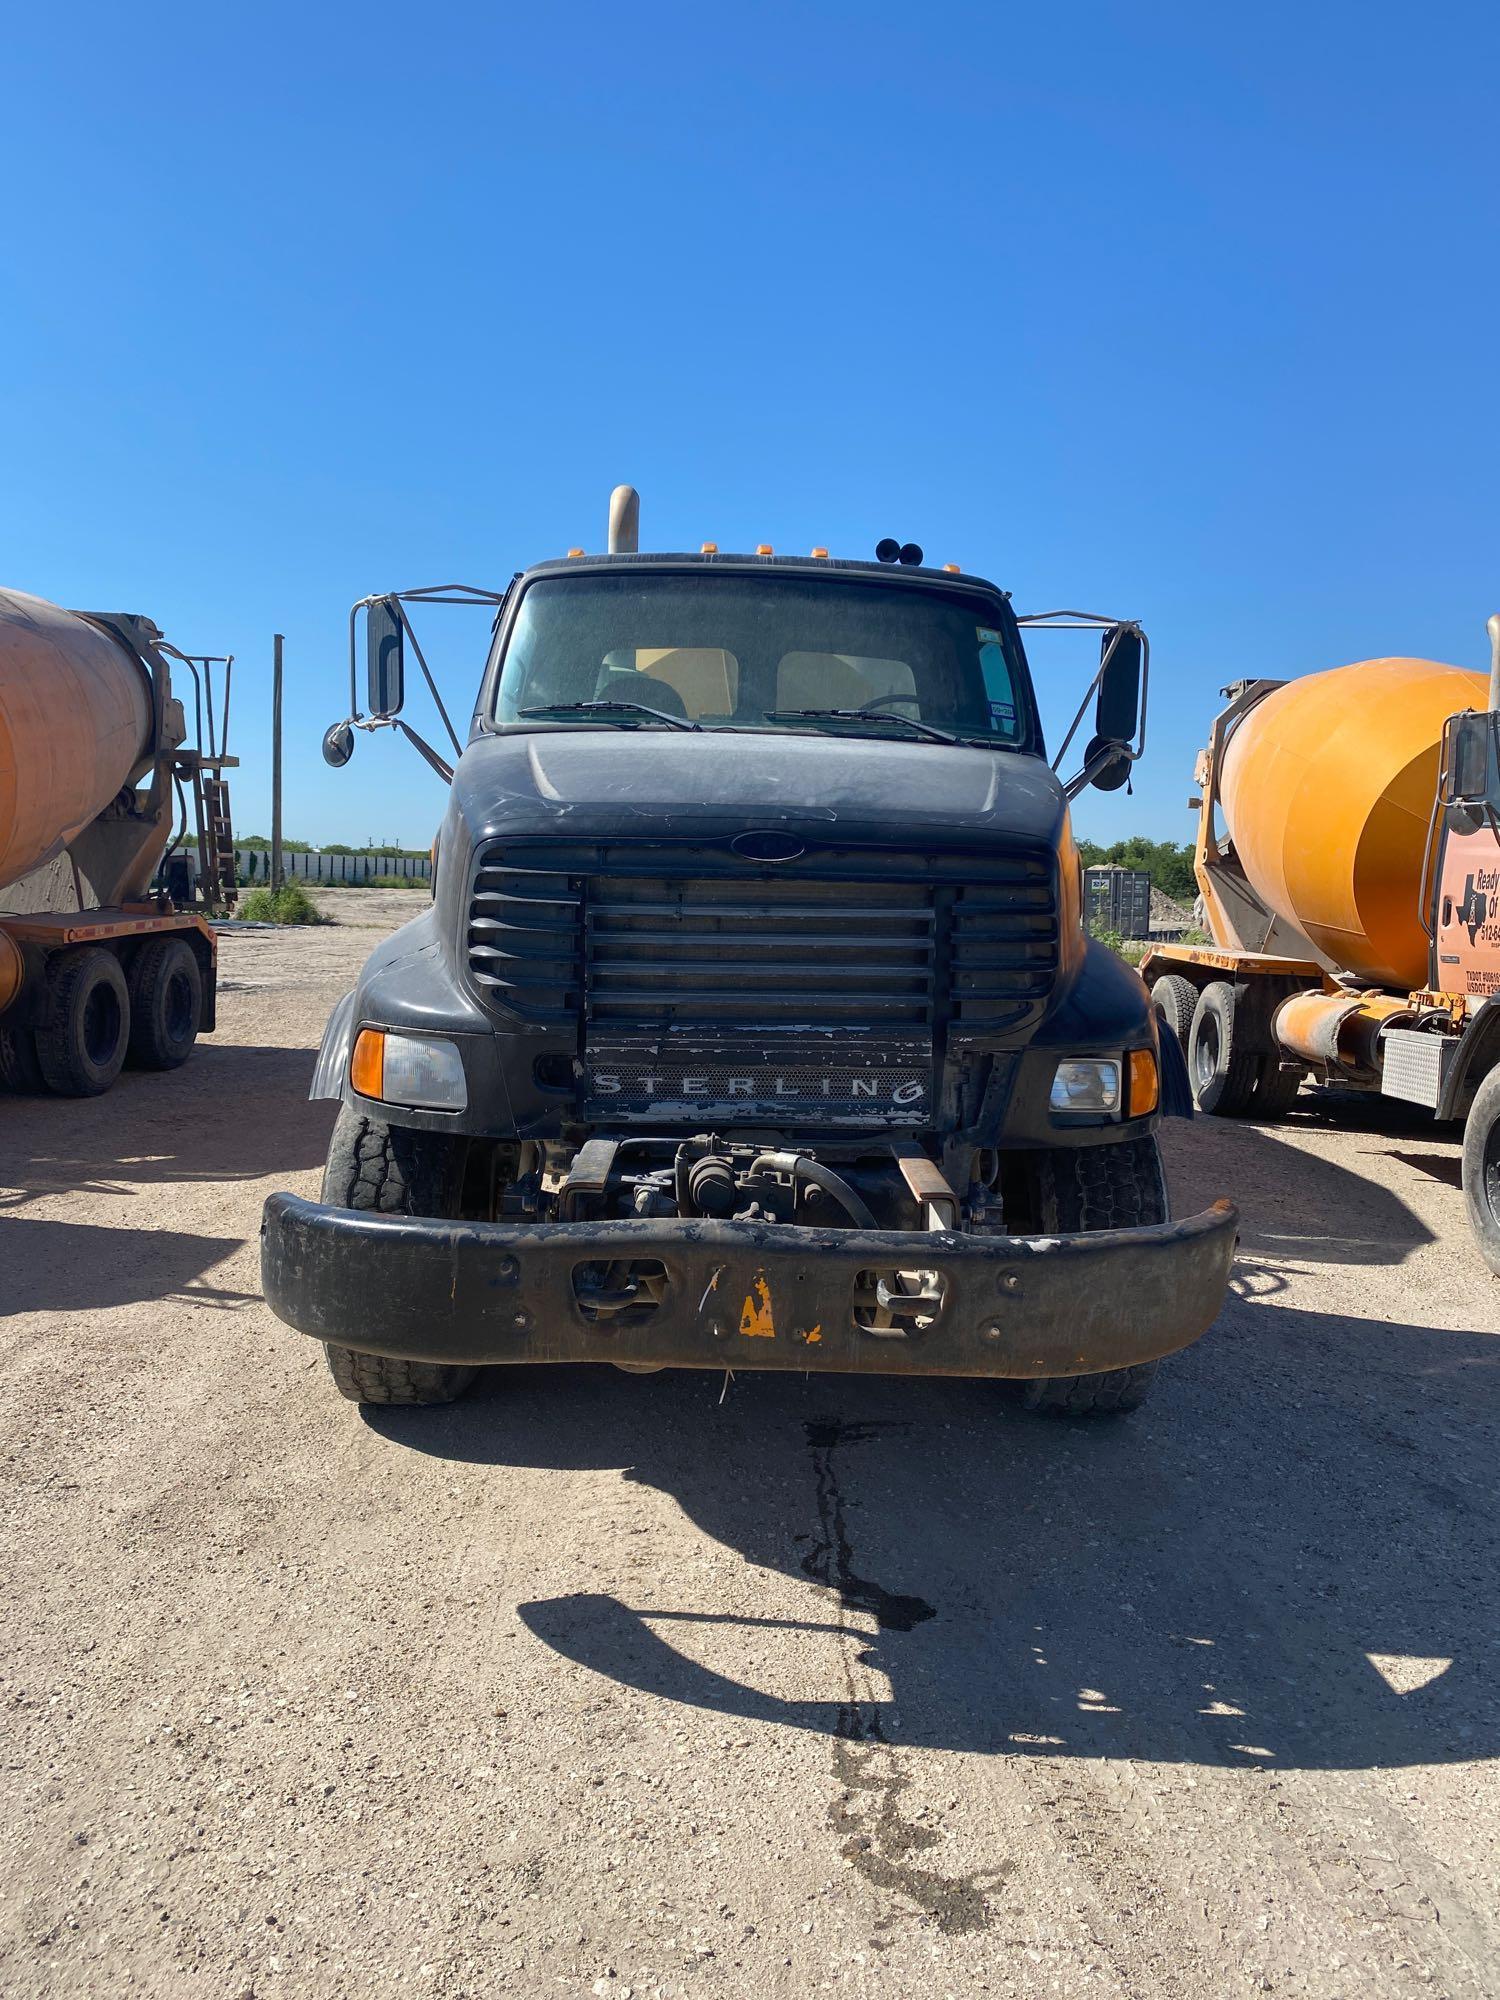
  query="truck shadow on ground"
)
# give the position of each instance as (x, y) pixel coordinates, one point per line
(1288, 1560)
(51, 1266)
(1297, 1209)
(229, 1114)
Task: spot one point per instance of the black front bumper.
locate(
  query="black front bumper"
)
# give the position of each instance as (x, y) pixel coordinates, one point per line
(743, 1295)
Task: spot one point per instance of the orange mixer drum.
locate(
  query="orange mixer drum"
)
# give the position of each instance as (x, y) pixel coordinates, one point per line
(1327, 788)
(75, 720)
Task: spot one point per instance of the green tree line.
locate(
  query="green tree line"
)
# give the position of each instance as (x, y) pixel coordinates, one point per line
(1169, 863)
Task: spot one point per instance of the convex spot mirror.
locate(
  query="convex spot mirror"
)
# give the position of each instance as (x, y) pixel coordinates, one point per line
(1114, 767)
(338, 745)
(385, 640)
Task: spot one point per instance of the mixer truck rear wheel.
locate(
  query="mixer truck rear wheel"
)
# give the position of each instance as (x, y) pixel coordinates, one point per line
(1277, 1088)
(166, 1003)
(81, 1044)
(1077, 1188)
(1176, 1000)
(1481, 1169)
(19, 1069)
(395, 1171)
(1224, 1072)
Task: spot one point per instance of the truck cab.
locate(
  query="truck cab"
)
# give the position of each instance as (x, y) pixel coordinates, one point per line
(753, 1023)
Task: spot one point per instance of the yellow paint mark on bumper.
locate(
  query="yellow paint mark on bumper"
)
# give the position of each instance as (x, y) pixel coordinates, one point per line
(756, 1321)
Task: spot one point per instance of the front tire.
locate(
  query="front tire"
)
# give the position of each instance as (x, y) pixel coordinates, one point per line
(1079, 1188)
(392, 1170)
(1481, 1169)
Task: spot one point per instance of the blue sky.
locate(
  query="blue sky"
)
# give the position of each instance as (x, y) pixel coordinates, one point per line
(1183, 313)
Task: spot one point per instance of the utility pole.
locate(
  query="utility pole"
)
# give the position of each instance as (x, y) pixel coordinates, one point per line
(276, 877)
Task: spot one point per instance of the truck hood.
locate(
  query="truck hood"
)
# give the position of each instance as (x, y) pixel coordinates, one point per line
(595, 783)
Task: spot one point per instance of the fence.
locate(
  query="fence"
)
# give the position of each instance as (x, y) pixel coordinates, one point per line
(253, 864)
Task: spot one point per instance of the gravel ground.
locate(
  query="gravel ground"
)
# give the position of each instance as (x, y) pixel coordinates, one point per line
(627, 1686)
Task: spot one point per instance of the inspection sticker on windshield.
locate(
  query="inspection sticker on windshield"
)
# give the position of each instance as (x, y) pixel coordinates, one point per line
(1002, 711)
(985, 636)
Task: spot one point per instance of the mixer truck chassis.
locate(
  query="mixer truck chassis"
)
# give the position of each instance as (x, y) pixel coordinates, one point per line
(91, 992)
(98, 966)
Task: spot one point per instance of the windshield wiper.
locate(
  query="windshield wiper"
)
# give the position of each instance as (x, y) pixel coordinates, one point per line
(606, 707)
(860, 715)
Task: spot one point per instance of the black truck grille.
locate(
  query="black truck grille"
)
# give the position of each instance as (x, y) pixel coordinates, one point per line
(650, 937)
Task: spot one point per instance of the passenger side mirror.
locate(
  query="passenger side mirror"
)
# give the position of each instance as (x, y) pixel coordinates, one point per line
(1467, 773)
(1117, 711)
(338, 745)
(385, 640)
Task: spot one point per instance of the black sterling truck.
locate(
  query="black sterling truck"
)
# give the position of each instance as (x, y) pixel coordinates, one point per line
(753, 1023)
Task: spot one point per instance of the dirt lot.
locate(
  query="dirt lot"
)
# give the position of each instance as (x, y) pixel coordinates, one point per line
(601, 1684)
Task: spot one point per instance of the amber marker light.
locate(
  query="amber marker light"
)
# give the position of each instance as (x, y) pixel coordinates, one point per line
(1145, 1089)
(952, 569)
(709, 549)
(575, 552)
(764, 549)
(367, 1064)
(821, 554)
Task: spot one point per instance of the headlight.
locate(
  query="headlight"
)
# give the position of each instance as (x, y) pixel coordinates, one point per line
(1083, 1084)
(421, 1070)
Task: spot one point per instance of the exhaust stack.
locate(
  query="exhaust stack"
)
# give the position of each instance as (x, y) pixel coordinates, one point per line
(1493, 628)
(624, 521)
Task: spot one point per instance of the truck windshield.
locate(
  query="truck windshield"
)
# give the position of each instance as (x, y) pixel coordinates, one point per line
(768, 652)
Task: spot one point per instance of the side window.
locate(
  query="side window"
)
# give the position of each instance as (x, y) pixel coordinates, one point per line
(999, 689)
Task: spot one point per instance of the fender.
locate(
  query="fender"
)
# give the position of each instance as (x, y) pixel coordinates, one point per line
(331, 1070)
(1478, 1053)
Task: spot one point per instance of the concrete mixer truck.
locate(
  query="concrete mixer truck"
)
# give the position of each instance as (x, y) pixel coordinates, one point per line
(1348, 855)
(96, 968)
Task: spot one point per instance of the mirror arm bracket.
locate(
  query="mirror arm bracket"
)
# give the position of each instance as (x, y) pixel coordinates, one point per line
(1100, 761)
(424, 749)
(458, 748)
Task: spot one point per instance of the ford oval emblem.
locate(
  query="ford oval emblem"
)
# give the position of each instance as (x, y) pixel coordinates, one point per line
(767, 844)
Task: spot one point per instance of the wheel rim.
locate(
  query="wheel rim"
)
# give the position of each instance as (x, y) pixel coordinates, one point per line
(1490, 1174)
(1206, 1054)
(177, 1007)
(101, 1025)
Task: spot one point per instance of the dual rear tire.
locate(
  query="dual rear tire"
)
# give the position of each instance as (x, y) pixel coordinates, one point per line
(1236, 1072)
(97, 1016)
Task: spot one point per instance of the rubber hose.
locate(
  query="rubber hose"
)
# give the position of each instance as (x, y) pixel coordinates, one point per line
(812, 1170)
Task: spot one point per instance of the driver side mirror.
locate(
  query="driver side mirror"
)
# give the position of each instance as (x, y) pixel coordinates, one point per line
(385, 640)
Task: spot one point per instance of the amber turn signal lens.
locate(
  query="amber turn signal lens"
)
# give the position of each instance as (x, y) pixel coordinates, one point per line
(1145, 1089)
(367, 1064)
